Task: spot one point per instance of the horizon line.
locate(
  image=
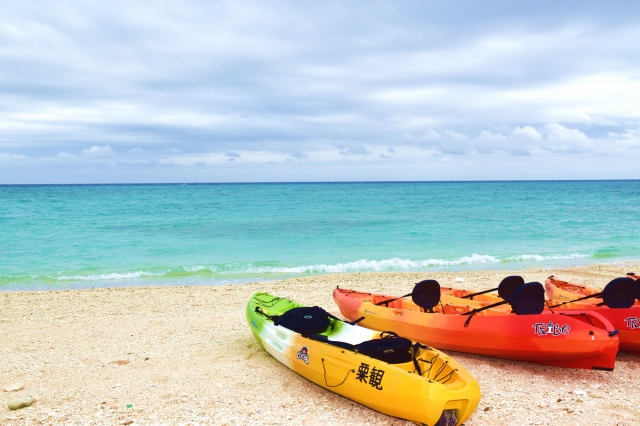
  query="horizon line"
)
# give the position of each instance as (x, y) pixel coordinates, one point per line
(317, 182)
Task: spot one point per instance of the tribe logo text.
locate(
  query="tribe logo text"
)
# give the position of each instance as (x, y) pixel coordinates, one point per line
(632, 322)
(551, 329)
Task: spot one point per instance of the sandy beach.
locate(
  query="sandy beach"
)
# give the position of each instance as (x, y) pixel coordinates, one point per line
(185, 355)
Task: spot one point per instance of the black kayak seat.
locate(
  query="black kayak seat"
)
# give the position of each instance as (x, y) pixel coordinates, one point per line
(426, 294)
(620, 293)
(528, 299)
(509, 285)
(310, 321)
(305, 320)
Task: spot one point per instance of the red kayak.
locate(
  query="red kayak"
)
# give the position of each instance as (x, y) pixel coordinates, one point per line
(577, 339)
(569, 297)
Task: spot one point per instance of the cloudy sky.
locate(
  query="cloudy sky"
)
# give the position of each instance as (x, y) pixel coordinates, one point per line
(213, 91)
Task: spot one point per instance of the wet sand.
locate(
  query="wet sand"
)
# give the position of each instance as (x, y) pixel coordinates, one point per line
(185, 355)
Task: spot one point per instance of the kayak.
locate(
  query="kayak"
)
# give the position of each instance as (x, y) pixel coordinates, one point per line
(563, 291)
(624, 315)
(576, 339)
(382, 371)
(626, 318)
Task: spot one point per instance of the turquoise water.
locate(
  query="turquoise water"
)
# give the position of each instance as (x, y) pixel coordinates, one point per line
(82, 236)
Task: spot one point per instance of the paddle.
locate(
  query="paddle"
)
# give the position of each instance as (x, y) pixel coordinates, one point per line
(620, 293)
(505, 289)
(526, 299)
(425, 294)
(530, 300)
(507, 286)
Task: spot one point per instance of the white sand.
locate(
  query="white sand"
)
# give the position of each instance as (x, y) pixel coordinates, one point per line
(184, 355)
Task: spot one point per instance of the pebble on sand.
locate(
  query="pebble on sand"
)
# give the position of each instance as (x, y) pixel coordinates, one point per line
(21, 403)
(14, 387)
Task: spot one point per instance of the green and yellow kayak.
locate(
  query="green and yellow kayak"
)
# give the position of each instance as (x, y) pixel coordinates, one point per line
(387, 373)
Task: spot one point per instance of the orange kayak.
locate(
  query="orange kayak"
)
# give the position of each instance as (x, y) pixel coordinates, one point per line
(576, 339)
(563, 295)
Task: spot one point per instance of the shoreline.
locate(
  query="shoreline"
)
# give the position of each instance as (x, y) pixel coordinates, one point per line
(162, 280)
(184, 354)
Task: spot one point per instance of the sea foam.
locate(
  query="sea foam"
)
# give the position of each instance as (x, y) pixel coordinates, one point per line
(362, 265)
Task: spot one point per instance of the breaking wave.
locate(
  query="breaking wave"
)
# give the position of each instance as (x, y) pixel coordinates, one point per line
(362, 265)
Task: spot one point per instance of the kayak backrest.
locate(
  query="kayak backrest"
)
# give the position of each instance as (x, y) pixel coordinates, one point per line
(304, 320)
(528, 299)
(393, 349)
(426, 294)
(508, 285)
(620, 293)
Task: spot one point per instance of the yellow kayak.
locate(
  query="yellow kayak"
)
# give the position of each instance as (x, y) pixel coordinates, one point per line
(382, 371)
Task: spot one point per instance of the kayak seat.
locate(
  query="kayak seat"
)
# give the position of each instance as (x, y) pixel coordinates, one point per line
(394, 303)
(305, 320)
(620, 293)
(426, 294)
(528, 299)
(391, 349)
(508, 285)
(310, 321)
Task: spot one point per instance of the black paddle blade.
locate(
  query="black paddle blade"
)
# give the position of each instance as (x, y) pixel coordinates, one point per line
(528, 299)
(620, 293)
(426, 294)
(508, 285)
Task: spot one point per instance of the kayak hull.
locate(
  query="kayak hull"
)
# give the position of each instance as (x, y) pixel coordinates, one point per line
(548, 339)
(396, 391)
(626, 320)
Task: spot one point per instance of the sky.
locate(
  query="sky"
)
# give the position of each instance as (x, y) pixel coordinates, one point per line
(243, 91)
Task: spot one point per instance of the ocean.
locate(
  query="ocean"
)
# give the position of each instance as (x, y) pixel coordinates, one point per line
(83, 236)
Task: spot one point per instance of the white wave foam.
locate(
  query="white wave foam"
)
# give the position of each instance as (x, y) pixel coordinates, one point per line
(112, 276)
(376, 265)
(539, 258)
(361, 265)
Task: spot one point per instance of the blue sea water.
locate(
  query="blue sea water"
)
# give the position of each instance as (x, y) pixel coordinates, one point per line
(83, 236)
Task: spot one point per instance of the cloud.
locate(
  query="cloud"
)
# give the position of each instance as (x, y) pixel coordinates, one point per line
(299, 155)
(355, 150)
(558, 132)
(6, 156)
(277, 81)
(527, 132)
(63, 154)
(97, 151)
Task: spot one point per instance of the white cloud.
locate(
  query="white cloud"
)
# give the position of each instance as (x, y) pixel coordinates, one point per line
(491, 137)
(97, 151)
(450, 134)
(527, 132)
(63, 154)
(9, 157)
(558, 132)
(296, 81)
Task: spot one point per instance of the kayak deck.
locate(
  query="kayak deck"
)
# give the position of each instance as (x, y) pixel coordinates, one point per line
(393, 389)
(583, 341)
